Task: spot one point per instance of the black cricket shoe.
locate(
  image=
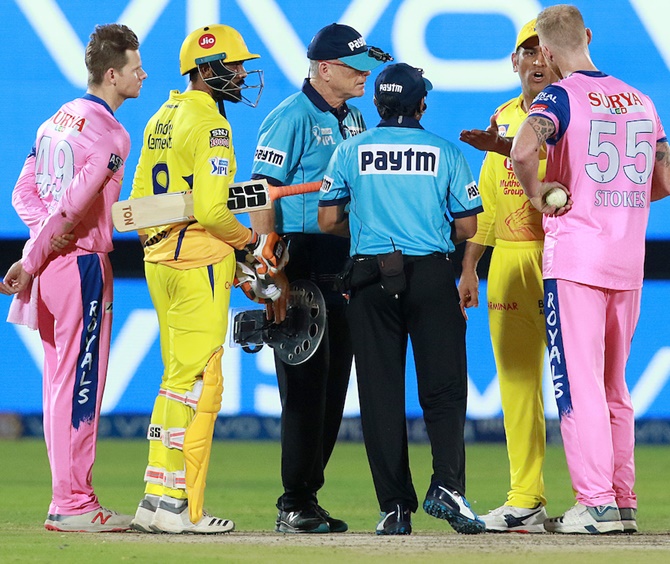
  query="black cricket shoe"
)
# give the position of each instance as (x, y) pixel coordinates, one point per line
(335, 525)
(453, 507)
(301, 521)
(396, 522)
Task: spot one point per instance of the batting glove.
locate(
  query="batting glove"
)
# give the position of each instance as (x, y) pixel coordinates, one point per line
(270, 253)
(257, 289)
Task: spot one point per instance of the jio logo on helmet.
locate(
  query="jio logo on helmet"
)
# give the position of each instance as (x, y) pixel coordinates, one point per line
(207, 41)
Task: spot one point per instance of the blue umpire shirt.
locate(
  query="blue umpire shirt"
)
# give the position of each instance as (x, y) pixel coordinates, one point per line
(295, 143)
(404, 186)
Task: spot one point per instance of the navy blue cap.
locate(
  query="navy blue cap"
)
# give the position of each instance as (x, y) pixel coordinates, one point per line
(338, 41)
(401, 86)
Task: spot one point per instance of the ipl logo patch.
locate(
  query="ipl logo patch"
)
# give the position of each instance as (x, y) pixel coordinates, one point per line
(219, 166)
(323, 135)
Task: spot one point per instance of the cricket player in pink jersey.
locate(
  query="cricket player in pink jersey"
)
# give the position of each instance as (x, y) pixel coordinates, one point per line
(63, 282)
(608, 151)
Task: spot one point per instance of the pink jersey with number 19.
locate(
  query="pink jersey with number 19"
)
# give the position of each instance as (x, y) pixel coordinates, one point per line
(71, 179)
(603, 151)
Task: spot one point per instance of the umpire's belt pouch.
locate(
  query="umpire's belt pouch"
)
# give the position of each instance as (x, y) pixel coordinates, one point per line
(392, 271)
(364, 272)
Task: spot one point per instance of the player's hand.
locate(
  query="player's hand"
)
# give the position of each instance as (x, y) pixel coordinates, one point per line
(468, 291)
(15, 280)
(488, 139)
(257, 289)
(276, 309)
(270, 251)
(60, 242)
(540, 203)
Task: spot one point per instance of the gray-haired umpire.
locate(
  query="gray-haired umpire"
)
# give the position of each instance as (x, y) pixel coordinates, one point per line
(411, 198)
(295, 143)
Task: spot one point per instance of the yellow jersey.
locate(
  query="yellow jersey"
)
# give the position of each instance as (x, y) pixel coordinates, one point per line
(188, 145)
(508, 214)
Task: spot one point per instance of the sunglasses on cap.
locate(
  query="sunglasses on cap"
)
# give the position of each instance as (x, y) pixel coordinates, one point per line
(379, 55)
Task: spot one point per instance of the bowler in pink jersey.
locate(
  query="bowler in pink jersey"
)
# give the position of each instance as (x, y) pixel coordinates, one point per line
(63, 282)
(606, 148)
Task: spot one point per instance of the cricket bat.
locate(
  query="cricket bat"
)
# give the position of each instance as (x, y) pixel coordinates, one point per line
(177, 207)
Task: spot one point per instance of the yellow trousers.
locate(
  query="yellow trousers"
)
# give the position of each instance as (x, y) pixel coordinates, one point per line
(516, 322)
(192, 308)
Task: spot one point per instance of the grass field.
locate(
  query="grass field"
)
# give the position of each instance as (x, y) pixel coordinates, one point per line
(243, 484)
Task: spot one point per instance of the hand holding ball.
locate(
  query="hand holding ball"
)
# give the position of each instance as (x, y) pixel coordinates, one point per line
(556, 197)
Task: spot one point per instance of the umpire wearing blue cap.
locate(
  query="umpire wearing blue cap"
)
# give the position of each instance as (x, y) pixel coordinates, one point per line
(295, 143)
(411, 198)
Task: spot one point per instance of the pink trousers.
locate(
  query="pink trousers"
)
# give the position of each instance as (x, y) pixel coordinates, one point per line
(74, 321)
(589, 332)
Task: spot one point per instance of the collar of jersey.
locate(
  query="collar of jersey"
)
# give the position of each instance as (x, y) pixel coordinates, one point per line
(406, 122)
(97, 100)
(592, 74)
(316, 99)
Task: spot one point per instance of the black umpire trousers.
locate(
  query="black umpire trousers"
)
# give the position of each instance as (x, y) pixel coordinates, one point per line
(313, 393)
(427, 312)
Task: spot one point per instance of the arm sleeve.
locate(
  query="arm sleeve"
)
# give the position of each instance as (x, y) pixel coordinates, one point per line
(463, 197)
(25, 199)
(279, 147)
(213, 173)
(100, 165)
(334, 189)
(553, 103)
(487, 188)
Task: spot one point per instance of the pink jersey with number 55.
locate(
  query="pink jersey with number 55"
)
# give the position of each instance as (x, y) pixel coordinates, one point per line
(603, 151)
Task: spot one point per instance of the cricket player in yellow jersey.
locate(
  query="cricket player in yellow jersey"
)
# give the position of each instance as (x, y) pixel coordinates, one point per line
(190, 269)
(512, 226)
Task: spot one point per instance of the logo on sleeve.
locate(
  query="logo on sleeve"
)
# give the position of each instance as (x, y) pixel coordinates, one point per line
(115, 162)
(537, 108)
(219, 166)
(219, 138)
(326, 184)
(472, 191)
(270, 156)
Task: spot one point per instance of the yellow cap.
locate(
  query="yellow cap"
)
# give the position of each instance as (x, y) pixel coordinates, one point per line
(527, 31)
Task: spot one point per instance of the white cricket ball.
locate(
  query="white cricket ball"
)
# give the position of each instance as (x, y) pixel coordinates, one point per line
(556, 197)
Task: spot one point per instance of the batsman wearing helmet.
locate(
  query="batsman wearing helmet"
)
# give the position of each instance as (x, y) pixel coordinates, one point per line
(190, 269)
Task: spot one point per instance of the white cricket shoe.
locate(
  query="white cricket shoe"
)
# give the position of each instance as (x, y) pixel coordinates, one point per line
(171, 516)
(144, 515)
(580, 519)
(510, 519)
(99, 520)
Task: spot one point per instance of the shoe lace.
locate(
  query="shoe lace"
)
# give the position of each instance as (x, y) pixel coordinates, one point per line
(108, 510)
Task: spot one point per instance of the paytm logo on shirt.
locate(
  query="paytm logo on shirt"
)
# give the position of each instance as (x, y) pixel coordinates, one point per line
(269, 155)
(398, 159)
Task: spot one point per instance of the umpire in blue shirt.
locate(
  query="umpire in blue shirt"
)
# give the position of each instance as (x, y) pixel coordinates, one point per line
(295, 143)
(405, 197)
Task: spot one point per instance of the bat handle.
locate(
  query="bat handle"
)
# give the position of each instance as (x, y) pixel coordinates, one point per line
(276, 192)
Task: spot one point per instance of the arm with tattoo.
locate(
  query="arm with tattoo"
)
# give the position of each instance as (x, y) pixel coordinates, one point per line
(660, 181)
(525, 155)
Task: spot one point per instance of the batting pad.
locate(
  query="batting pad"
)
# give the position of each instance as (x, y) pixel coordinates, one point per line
(198, 438)
(167, 413)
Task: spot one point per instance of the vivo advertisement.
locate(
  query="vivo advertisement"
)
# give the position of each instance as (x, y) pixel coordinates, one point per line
(464, 46)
